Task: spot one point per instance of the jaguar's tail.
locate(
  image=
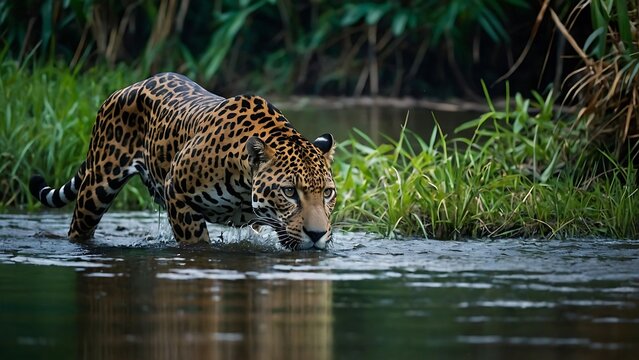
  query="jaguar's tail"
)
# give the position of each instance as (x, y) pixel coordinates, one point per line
(56, 198)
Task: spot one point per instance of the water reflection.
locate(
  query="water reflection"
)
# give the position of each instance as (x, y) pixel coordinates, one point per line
(128, 312)
(128, 296)
(375, 121)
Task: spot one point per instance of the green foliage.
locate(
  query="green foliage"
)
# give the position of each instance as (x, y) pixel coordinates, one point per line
(230, 24)
(613, 21)
(520, 175)
(262, 45)
(45, 126)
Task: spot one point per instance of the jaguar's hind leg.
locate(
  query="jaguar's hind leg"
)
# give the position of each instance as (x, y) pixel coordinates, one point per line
(95, 195)
(189, 225)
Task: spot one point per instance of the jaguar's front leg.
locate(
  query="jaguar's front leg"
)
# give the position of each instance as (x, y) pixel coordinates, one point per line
(189, 226)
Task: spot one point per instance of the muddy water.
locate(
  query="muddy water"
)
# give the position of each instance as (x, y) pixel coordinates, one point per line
(132, 293)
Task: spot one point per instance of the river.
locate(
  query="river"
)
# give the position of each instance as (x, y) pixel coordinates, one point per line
(132, 293)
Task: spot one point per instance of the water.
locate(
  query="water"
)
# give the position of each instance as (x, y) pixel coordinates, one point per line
(132, 293)
(376, 121)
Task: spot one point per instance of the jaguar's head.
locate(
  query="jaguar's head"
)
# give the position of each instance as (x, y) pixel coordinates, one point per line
(293, 189)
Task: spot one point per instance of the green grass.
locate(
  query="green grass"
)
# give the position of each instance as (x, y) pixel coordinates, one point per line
(519, 176)
(523, 173)
(46, 119)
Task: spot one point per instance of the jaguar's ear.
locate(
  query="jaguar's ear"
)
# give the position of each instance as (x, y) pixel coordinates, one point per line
(257, 151)
(326, 144)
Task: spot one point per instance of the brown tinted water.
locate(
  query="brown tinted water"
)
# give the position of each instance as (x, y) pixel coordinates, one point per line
(133, 294)
(377, 122)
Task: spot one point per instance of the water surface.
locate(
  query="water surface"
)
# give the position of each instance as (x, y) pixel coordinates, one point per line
(133, 293)
(375, 121)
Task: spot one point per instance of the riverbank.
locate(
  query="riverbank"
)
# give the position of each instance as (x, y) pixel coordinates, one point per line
(523, 171)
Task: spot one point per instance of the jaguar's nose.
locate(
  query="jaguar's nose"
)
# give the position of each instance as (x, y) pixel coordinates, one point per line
(314, 235)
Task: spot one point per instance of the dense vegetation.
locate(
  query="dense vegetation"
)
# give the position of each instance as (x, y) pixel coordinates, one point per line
(45, 124)
(520, 175)
(415, 47)
(528, 170)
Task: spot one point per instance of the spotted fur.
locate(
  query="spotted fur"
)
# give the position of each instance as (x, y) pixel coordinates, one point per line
(233, 161)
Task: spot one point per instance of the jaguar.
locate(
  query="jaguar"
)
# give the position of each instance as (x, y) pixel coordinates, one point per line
(204, 158)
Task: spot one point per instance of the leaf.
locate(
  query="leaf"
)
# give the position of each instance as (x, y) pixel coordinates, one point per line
(399, 23)
(46, 11)
(318, 35)
(597, 35)
(445, 22)
(624, 24)
(487, 27)
(474, 124)
(549, 170)
(599, 20)
(376, 13)
(224, 37)
(518, 124)
(632, 75)
(354, 13)
(491, 24)
(4, 12)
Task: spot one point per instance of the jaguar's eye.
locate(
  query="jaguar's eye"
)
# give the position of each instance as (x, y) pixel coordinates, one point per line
(328, 193)
(289, 191)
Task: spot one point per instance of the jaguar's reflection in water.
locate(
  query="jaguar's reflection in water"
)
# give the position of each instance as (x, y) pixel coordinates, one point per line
(141, 315)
